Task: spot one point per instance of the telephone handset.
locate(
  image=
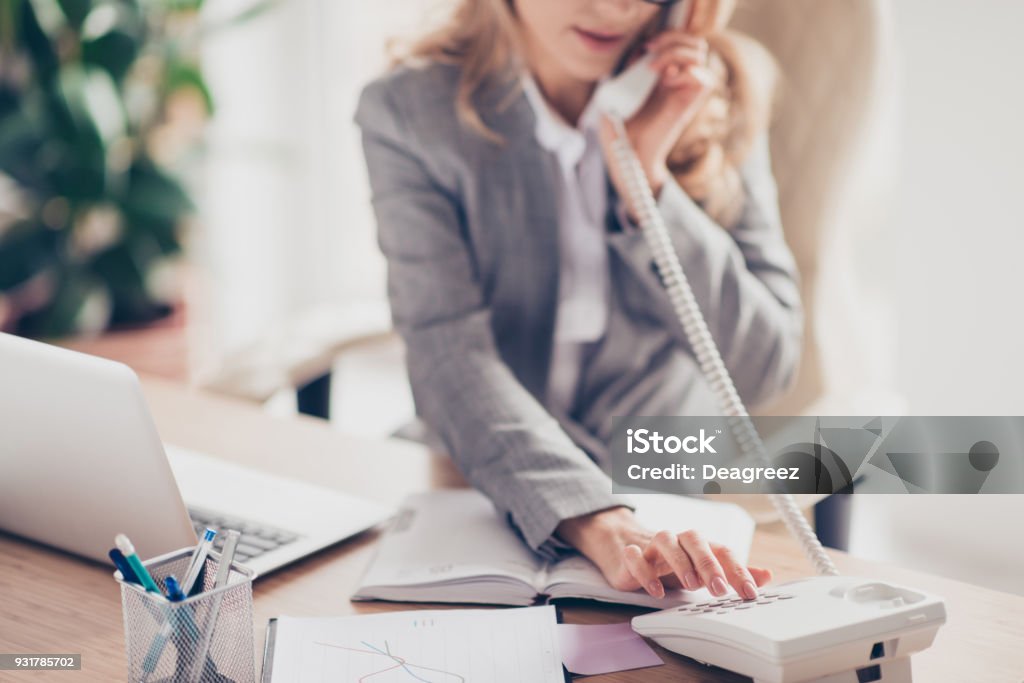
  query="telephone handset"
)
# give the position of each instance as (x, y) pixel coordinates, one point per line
(827, 629)
(623, 95)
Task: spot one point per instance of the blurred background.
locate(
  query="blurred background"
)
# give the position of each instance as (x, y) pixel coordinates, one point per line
(181, 187)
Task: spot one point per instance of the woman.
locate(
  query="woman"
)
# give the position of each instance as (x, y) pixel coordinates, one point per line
(523, 290)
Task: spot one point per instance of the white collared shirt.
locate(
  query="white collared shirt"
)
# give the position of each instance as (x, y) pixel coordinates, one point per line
(583, 284)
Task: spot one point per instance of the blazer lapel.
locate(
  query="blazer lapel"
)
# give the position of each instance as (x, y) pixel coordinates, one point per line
(525, 294)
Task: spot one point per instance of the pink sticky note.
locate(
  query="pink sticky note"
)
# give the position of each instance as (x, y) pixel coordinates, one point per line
(604, 648)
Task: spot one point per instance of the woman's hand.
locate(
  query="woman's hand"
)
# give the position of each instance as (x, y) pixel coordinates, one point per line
(684, 83)
(632, 557)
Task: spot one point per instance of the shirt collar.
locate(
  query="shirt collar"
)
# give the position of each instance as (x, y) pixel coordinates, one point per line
(553, 132)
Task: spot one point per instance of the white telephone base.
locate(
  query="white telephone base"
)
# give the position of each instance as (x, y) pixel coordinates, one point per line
(893, 671)
(828, 629)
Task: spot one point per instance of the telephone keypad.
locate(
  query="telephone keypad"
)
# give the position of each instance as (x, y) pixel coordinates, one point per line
(726, 606)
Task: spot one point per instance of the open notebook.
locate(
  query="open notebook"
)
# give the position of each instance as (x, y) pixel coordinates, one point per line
(451, 546)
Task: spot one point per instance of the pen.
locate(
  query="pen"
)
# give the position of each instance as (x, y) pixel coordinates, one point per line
(174, 591)
(227, 556)
(122, 566)
(175, 618)
(126, 547)
(198, 561)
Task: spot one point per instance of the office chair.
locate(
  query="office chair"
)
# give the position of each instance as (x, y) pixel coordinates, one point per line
(834, 99)
(833, 108)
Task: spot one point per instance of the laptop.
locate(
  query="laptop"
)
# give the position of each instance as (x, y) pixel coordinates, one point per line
(81, 461)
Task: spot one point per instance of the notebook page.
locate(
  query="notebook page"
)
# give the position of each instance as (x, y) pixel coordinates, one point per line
(442, 646)
(448, 536)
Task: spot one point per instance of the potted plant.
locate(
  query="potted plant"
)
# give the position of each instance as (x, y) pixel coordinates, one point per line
(101, 110)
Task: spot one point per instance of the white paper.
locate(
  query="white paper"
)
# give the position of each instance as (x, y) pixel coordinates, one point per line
(438, 646)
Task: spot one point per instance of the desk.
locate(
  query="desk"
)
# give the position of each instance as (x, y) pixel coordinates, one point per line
(55, 603)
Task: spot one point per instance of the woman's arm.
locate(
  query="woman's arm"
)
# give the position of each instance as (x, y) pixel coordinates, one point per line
(500, 437)
(744, 279)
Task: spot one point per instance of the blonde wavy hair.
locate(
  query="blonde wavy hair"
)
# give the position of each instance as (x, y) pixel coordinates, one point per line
(482, 38)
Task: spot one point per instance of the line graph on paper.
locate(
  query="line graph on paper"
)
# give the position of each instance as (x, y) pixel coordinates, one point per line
(394, 662)
(428, 646)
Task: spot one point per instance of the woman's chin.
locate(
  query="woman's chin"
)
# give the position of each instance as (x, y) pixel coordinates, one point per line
(589, 71)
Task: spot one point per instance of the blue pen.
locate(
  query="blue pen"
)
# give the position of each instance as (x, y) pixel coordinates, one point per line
(173, 589)
(122, 566)
(198, 561)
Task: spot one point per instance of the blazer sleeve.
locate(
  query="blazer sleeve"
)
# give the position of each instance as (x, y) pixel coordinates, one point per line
(744, 279)
(500, 436)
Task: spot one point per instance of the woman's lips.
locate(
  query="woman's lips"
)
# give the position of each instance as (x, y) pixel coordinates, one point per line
(599, 41)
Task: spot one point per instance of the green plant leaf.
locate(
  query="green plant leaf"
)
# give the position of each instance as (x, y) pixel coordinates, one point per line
(102, 104)
(154, 204)
(75, 174)
(112, 36)
(36, 40)
(10, 20)
(153, 194)
(183, 5)
(26, 248)
(80, 304)
(22, 133)
(181, 74)
(114, 51)
(76, 10)
(50, 17)
(122, 268)
(96, 118)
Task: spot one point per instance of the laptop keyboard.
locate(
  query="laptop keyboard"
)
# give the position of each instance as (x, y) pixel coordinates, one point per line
(255, 540)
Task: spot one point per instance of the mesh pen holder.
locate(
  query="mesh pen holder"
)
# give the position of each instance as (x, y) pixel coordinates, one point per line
(206, 638)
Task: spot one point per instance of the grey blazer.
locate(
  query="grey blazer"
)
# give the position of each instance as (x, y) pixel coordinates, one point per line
(470, 232)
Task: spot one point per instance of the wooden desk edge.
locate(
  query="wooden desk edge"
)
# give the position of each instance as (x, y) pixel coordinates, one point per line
(985, 626)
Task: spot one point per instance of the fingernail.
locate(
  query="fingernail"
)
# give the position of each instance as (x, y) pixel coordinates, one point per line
(656, 589)
(690, 581)
(718, 586)
(749, 590)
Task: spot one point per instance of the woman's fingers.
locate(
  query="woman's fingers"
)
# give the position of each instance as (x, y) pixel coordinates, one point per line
(643, 571)
(686, 559)
(676, 37)
(679, 57)
(675, 77)
(704, 561)
(665, 546)
(735, 572)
